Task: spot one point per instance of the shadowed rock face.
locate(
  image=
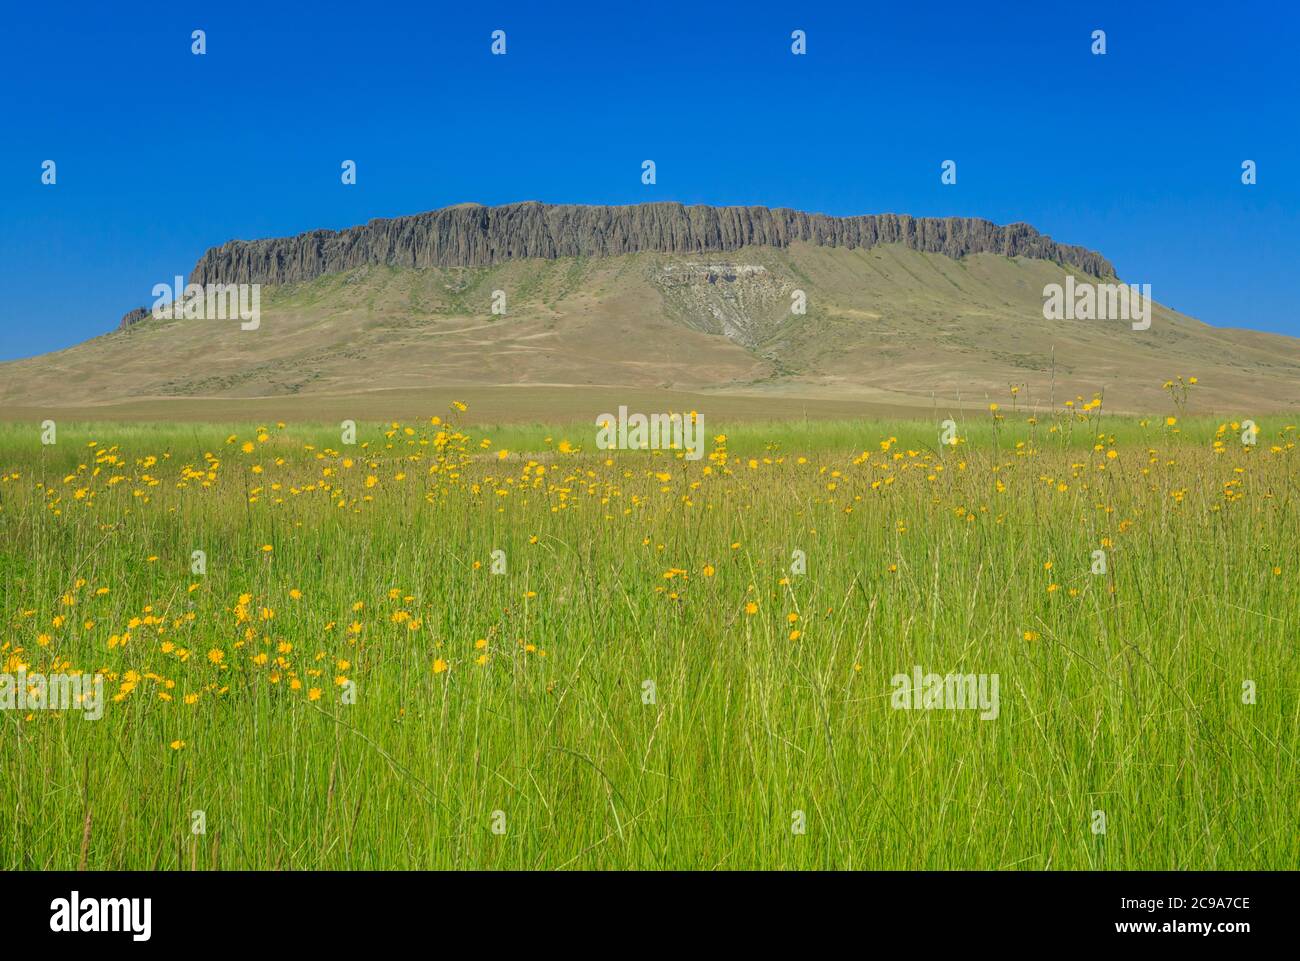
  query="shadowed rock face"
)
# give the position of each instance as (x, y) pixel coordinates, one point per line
(133, 317)
(470, 235)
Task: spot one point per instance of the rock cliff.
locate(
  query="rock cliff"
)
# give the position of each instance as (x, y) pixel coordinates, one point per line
(133, 317)
(470, 235)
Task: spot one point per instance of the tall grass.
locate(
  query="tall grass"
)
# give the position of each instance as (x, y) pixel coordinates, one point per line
(629, 710)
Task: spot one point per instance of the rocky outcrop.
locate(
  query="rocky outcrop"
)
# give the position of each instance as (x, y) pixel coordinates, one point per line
(738, 301)
(469, 235)
(133, 317)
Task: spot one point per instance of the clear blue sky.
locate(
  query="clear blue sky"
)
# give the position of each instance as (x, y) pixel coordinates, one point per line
(162, 154)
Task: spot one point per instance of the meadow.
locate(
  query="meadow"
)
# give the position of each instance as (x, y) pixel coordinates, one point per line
(447, 646)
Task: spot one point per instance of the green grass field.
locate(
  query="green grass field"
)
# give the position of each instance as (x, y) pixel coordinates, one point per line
(648, 684)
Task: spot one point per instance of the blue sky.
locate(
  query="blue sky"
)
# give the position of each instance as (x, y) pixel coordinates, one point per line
(162, 154)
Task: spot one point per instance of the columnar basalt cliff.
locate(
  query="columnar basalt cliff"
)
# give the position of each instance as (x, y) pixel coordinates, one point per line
(133, 317)
(470, 235)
